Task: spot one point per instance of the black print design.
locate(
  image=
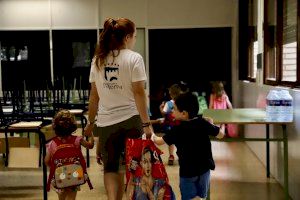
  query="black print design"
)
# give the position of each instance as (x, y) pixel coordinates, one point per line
(111, 73)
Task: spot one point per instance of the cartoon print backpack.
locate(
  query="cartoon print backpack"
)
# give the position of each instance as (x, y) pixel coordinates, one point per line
(67, 165)
(161, 188)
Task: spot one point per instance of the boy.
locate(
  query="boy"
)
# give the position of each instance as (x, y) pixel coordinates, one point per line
(191, 138)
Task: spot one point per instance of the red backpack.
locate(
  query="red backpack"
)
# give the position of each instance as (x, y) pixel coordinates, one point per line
(67, 165)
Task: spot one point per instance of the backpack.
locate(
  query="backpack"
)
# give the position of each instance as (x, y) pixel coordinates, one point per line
(169, 119)
(161, 188)
(67, 165)
(202, 104)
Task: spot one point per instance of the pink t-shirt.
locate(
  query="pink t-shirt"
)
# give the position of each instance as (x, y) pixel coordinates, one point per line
(220, 102)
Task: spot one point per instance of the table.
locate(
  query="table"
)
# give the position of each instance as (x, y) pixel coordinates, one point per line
(245, 116)
(32, 127)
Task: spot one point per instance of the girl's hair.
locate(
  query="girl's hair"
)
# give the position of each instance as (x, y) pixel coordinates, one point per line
(174, 90)
(64, 123)
(218, 88)
(112, 38)
(188, 102)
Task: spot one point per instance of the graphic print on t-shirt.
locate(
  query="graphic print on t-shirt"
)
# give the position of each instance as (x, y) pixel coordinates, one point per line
(111, 73)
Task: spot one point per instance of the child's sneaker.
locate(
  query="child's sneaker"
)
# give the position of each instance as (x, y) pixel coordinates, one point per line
(171, 160)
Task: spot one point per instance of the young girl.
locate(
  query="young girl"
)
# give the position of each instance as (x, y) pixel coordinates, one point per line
(64, 126)
(219, 99)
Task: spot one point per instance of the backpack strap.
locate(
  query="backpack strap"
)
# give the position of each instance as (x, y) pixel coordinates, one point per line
(83, 164)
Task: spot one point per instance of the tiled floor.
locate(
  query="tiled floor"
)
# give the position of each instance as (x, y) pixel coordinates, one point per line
(238, 176)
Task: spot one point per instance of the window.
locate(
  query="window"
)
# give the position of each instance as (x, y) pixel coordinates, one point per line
(280, 42)
(253, 43)
(270, 39)
(289, 41)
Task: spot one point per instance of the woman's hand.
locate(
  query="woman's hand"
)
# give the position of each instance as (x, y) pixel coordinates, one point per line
(88, 130)
(148, 131)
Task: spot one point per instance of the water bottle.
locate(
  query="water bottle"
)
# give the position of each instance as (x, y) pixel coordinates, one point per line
(273, 106)
(286, 107)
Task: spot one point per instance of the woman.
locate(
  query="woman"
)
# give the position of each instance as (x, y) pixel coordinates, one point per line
(117, 98)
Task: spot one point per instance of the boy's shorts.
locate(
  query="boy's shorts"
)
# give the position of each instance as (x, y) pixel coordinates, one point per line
(112, 142)
(192, 187)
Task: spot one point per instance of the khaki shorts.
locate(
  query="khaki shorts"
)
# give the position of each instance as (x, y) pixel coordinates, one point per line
(112, 142)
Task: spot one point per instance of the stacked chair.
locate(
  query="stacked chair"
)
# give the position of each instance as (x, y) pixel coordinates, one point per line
(31, 111)
(23, 112)
(67, 96)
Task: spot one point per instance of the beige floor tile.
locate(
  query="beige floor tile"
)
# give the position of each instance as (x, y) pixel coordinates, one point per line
(233, 178)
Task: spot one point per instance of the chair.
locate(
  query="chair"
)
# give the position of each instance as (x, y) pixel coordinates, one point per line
(21, 120)
(27, 116)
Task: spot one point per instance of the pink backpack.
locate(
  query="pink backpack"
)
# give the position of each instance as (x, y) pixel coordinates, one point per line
(67, 165)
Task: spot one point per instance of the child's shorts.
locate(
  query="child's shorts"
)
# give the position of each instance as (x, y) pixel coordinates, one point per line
(112, 142)
(192, 187)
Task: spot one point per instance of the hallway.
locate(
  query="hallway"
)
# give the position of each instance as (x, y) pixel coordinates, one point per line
(239, 175)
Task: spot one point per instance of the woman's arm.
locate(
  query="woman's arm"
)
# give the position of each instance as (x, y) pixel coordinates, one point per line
(141, 104)
(92, 110)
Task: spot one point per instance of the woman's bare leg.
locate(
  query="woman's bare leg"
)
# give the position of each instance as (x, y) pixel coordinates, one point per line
(114, 185)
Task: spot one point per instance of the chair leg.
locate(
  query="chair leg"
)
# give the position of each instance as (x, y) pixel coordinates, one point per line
(82, 119)
(40, 154)
(28, 136)
(6, 149)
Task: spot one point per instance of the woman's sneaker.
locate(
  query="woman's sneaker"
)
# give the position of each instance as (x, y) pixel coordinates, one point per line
(171, 160)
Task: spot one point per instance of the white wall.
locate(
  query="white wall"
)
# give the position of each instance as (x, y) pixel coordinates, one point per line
(29, 14)
(74, 14)
(41, 14)
(210, 13)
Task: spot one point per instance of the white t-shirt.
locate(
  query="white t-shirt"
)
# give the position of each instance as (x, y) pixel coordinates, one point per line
(114, 86)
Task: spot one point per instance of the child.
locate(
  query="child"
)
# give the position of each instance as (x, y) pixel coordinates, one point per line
(166, 109)
(191, 138)
(219, 99)
(64, 126)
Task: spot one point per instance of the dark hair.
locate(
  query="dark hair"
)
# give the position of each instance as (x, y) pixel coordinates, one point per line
(64, 123)
(112, 38)
(187, 102)
(146, 150)
(184, 86)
